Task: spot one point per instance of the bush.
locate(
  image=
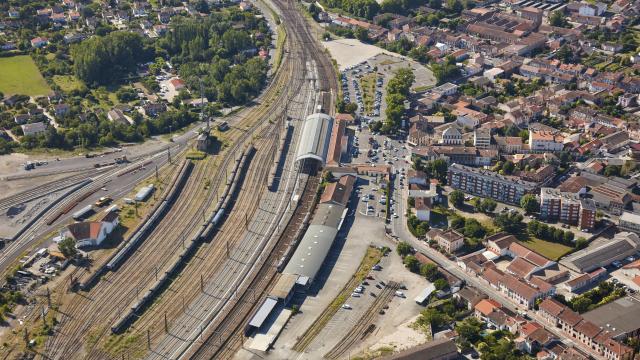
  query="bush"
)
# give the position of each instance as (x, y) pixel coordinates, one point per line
(456, 197)
(411, 263)
(404, 248)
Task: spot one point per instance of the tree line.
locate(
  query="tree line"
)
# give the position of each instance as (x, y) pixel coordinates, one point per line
(397, 92)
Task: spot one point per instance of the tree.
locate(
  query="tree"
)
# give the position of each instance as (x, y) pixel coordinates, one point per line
(473, 229)
(612, 170)
(404, 248)
(362, 34)
(557, 19)
(411, 263)
(486, 205)
(509, 222)
(455, 6)
(457, 222)
(440, 284)
(581, 243)
(580, 303)
(456, 197)
(508, 167)
(469, 329)
(102, 60)
(435, 4)
(429, 271)
(446, 70)
(67, 247)
(530, 204)
(433, 317)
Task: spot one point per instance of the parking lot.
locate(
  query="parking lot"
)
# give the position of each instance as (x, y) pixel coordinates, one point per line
(353, 79)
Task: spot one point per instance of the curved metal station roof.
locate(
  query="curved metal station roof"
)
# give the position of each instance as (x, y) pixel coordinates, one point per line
(316, 135)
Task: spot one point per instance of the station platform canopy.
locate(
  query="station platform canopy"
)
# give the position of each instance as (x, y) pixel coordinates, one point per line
(316, 135)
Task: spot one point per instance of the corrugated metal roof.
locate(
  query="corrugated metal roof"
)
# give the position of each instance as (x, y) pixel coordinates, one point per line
(316, 135)
(264, 311)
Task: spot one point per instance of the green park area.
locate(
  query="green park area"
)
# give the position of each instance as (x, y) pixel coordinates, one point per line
(548, 249)
(19, 75)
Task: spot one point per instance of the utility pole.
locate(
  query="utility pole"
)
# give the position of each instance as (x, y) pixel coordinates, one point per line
(166, 325)
(169, 154)
(48, 298)
(227, 243)
(148, 339)
(44, 318)
(201, 283)
(157, 177)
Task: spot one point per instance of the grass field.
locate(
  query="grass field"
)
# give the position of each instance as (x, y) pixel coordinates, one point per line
(548, 249)
(67, 83)
(20, 75)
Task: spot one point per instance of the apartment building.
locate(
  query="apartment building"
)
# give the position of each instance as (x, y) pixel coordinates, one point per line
(567, 207)
(482, 138)
(543, 140)
(489, 184)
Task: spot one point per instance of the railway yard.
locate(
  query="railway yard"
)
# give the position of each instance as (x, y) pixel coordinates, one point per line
(185, 286)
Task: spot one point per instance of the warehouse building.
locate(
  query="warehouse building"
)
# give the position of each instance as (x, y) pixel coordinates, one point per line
(621, 318)
(323, 228)
(603, 253)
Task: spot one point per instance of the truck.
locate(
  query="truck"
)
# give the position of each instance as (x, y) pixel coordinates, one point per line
(103, 201)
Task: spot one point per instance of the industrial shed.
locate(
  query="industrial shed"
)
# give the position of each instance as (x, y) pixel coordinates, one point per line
(316, 135)
(602, 253)
(316, 242)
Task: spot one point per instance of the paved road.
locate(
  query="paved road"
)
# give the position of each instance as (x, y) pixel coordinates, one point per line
(116, 187)
(403, 233)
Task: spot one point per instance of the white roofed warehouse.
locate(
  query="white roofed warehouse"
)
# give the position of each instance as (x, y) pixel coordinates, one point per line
(314, 142)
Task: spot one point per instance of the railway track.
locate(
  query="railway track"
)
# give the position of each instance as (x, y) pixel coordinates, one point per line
(139, 270)
(365, 324)
(43, 190)
(117, 290)
(244, 238)
(87, 315)
(226, 337)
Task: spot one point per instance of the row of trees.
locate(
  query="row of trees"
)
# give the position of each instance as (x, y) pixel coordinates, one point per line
(397, 92)
(429, 270)
(97, 130)
(603, 294)
(360, 8)
(550, 233)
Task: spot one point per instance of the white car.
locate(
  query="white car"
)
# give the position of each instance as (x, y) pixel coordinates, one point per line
(347, 306)
(355, 295)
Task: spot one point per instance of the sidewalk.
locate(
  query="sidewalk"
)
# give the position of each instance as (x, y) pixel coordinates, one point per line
(483, 286)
